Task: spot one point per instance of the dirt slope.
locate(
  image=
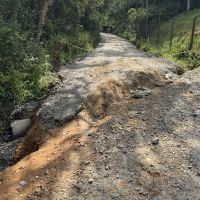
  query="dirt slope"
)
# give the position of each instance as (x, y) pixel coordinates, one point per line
(121, 145)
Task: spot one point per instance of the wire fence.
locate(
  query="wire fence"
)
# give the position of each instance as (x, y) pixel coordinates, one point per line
(168, 34)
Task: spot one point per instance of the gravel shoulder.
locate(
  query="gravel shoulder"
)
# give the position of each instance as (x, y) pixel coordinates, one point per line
(121, 125)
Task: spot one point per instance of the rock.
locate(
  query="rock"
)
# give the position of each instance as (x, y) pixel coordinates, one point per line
(20, 127)
(169, 81)
(137, 188)
(155, 141)
(195, 114)
(145, 193)
(82, 144)
(114, 196)
(107, 167)
(47, 172)
(168, 76)
(141, 191)
(121, 146)
(159, 84)
(23, 183)
(138, 95)
(141, 92)
(91, 180)
(176, 184)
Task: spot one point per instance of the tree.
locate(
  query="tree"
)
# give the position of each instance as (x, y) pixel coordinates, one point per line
(44, 6)
(35, 35)
(188, 5)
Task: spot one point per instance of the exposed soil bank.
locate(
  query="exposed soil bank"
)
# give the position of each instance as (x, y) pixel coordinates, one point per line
(118, 146)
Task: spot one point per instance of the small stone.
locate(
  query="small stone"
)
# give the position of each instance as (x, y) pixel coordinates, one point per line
(87, 162)
(155, 141)
(169, 81)
(158, 84)
(141, 191)
(121, 146)
(137, 188)
(107, 167)
(176, 184)
(47, 172)
(91, 180)
(23, 183)
(145, 193)
(114, 196)
(138, 96)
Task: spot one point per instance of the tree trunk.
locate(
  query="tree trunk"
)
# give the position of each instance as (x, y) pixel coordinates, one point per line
(188, 5)
(147, 20)
(44, 6)
(15, 8)
(192, 35)
(177, 8)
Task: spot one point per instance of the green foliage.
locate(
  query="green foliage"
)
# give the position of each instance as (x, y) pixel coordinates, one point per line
(36, 37)
(63, 49)
(23, 65)
(179, 52)
(135, 17)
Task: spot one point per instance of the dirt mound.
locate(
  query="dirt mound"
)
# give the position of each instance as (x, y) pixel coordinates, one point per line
(104, 95)
(111, 91)
(146, 79)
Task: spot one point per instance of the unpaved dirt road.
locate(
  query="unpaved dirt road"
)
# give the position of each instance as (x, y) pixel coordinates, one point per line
(118, 146)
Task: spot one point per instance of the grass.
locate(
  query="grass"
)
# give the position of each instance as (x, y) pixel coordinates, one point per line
(181, 38)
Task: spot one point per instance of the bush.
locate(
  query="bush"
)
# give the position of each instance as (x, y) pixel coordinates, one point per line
(23, 66)
(64, 48)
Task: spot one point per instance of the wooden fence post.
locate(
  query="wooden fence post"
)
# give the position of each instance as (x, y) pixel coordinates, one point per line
(147, 20)
(192, 35)
(171, 36)
(158, 33)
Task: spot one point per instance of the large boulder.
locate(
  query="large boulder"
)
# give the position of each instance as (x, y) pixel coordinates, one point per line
(20, 127)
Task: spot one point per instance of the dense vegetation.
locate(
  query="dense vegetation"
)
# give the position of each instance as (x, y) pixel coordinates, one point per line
(179, 50)
(36, 36)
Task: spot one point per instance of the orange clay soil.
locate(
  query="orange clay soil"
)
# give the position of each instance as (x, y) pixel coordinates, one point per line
(62, 150)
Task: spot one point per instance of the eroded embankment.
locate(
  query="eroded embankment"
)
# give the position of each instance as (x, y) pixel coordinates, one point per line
(116, 127)
(114, 61)
(41, 146)
(97, 104)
